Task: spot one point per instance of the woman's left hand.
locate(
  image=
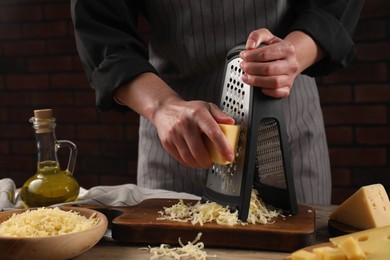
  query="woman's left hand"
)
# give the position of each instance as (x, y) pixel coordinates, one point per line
(272, 67)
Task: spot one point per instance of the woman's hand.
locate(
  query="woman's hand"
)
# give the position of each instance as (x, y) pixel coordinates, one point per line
(274, 66)
(181, 125)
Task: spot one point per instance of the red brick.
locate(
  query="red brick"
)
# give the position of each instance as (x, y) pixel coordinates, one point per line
(373, 51)
(4, 146)
(341, 177)
(87, 180)
(373, 136)
(49, 64)
(359, 72)
(25, 81)
(26, 146)
(70, 80)
(370, 30)
(86, 98)
(10, 31)
(124, 150)
(366, 176)
(44, 29)
(100, 132)
(77, 66)
(108, 179)
(88, 148)
(48, 98)
(76, 114)
(358, 156)
(101, 166)
(15, 162)
(375, 8)
(57, 11)
(132, 133)
(341, 194)
(358, 114)
(59, 46)
(335, 94)
(339, 135)
(15, 98)
(12, 64)
(118, 117)
(372, 93)
(21, 13)
(24, 48)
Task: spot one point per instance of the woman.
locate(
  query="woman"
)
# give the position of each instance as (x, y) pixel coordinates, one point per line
(174, 84)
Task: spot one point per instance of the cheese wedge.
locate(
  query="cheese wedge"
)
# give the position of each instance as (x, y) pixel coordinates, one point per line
(232, 133)
(369, 207)
(374, 242)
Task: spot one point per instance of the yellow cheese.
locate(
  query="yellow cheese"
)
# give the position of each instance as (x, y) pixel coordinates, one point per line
(329, 253)
(374, 242)
(232, 133)
(303, 255)
(352, 249)
(369, 207)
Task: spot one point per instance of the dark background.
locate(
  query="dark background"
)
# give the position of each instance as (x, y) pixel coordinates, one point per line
(40, 68)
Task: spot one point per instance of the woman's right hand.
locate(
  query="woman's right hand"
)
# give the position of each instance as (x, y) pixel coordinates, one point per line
(180, 124)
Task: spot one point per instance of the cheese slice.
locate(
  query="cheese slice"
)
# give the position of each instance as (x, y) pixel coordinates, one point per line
(232, 133)
(369, 207)
(351, 248)
(375, 242)
(303, 255)
(329, 253)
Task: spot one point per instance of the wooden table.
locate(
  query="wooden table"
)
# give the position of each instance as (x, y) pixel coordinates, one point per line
(109, 249)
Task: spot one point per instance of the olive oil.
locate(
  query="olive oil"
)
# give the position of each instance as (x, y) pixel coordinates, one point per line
(50, 184)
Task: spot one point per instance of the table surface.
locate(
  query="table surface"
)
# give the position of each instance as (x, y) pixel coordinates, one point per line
(109, 249)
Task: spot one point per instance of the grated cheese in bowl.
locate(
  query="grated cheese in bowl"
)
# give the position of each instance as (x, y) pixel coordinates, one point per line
(44, 222)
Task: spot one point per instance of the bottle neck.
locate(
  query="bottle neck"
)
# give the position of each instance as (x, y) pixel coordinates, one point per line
(45, 139)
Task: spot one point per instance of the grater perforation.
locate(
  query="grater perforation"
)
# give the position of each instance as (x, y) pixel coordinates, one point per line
(262, 159)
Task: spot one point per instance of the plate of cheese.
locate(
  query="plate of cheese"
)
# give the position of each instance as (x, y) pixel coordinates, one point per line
(50, 233)
(364, 218)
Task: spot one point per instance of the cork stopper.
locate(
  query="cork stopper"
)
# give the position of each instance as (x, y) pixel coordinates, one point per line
(43, 121)
(43, 113)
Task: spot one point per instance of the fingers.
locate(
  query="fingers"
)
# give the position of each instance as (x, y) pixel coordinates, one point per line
(258, 37)
(181, 133)
(272, 67)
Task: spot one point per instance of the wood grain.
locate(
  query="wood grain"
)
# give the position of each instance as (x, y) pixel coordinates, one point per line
(138, 225)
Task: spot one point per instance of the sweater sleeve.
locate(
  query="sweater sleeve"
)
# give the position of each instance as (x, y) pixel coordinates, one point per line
(331, 23)
(110, 48)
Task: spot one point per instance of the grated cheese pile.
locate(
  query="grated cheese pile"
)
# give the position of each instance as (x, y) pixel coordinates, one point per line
(43, 222)
(194, 250)
(211, 211)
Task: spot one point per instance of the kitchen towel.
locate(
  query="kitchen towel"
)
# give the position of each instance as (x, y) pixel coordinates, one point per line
(119, 195)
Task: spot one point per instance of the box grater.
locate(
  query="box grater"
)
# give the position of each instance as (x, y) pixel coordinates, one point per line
(262, 158)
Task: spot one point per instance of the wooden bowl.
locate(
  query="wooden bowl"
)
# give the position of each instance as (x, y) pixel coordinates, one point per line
(53, 247)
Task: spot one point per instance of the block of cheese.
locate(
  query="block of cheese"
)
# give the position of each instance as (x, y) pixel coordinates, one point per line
(232, 133)
(375, 242)
(369, 207)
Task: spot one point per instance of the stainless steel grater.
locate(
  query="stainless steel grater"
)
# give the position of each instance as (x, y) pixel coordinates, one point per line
(262, 159)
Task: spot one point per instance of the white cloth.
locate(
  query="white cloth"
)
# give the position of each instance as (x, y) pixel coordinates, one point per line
(120, 195)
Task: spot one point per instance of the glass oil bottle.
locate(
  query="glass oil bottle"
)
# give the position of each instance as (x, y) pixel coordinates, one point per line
(50, 184)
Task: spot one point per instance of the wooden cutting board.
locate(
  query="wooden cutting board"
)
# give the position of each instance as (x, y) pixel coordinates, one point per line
(138, 225)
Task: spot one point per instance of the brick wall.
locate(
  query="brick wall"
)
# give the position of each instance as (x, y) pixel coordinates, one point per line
(39, 68)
